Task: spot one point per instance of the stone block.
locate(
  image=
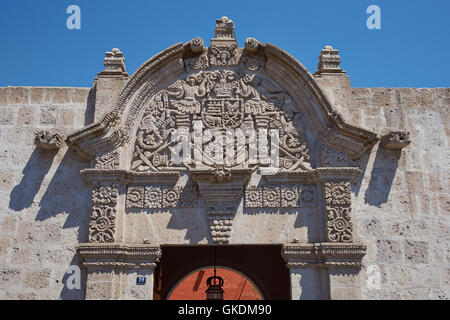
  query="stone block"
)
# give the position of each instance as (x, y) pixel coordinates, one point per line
(18, 95)
(99, 291)
(345, 293)
(37, 279)
(6, 115)
(3, 97)
(9, 276)
(434, 182)
(100, 274)
(66, 118)
(389, 251)
(416, 251)
(398, 275)
(38, 95)
(60, 95)
(6, 181)
(414, 180)
(444, 203)
(26, 116)
(80, 95)
(48, 115)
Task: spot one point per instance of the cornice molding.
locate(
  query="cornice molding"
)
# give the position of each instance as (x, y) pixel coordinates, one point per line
(314, 176)
(128, 177)
(118, 255)
(323, 255)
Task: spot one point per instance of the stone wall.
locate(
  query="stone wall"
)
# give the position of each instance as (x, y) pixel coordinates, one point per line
(401, 207)
(43, 199)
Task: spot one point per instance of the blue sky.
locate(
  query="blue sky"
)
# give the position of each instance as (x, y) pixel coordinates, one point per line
(411, 50)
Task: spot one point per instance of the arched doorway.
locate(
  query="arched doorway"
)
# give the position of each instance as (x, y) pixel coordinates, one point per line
(259, 264)
(237, 286)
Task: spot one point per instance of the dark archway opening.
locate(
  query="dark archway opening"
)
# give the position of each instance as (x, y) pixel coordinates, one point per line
(262, 264)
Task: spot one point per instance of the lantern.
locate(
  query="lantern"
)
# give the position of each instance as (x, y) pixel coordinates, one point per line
(214, 291)
(214, 283)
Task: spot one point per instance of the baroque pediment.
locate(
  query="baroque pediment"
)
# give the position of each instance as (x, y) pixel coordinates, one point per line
(223, 87)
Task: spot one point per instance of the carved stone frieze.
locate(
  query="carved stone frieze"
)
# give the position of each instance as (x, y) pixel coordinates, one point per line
(284, 196)
(157, 197)
(102, 225)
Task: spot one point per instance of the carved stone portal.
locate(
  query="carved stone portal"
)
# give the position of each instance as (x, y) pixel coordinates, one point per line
(218, 119)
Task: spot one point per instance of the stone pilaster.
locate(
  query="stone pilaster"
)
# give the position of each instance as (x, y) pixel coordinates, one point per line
(102, 227)
(112, 270)
(324, 270)
(339, 227)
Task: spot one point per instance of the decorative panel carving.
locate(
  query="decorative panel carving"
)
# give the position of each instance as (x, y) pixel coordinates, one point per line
(338, 206)
(284, 196)
(157, 197)
(103, 217)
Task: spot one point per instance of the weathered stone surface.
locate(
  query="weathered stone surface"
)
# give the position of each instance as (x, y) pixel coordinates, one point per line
(26, 116)
(48, 115)
(388, 251)
(37, 279)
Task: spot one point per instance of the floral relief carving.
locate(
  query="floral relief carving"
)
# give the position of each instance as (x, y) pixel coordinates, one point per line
(289, 197)
(102, 224)
(292, 196)
(170, 197)
(135, 197)
(338, 200)
(337, 193)
(339, 225)
(271, 197)
(105, 195)
(154, 197)
(253, 197)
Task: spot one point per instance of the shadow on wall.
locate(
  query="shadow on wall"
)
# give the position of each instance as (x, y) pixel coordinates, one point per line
(65, 192)
(384, 168)
(22, 196)
(90, 107)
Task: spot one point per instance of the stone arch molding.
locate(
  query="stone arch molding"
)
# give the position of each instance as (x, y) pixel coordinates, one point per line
(258, 88)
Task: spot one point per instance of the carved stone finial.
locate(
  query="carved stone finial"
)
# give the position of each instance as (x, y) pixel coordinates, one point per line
(329, 61)
(114, 63)
(395, 139)
(196, 45)
(224, 28)
(224, 41)
(48, 139)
